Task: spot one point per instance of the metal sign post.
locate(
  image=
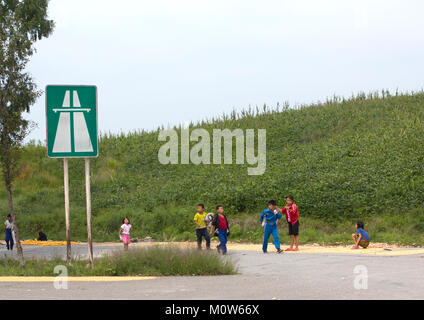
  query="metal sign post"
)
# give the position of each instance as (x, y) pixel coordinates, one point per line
(68, 231)
(71, 116)
(88, 200)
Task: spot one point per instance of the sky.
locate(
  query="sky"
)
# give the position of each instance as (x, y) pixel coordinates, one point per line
(163, 62)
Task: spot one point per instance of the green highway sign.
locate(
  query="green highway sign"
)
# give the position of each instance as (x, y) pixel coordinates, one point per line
(71, 115)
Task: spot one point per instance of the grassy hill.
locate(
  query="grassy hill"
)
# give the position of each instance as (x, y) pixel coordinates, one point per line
(343, 160)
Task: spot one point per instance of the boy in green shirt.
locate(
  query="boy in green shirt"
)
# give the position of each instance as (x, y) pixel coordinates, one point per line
(201, 230)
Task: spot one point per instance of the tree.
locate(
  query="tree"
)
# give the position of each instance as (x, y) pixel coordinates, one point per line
(22, 23)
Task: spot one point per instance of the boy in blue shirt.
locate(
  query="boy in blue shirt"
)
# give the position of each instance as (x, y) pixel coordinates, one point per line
(361, 238)
(269, 218)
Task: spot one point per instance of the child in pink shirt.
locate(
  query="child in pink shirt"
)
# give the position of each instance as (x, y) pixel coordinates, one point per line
(125, 229)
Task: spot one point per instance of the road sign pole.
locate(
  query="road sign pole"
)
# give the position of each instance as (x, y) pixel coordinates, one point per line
(68, 232)
(88, 200)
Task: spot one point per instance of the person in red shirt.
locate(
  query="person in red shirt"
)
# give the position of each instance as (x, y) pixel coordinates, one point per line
(220, 225)
(292, 216)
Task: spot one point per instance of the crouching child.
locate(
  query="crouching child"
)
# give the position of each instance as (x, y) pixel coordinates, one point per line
(361, 238)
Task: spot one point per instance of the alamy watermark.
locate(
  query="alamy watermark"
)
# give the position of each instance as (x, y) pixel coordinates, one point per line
(360, 282)
(246, 151)
(61, 281)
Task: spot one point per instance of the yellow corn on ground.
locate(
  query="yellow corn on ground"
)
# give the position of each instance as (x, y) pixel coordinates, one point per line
(44, 243)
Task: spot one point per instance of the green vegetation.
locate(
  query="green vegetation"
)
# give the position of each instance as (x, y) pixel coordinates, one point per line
(343, 160)
(154, 261)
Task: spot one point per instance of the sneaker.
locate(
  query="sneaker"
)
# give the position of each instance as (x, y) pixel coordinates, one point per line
(265, 251)
(279, 251)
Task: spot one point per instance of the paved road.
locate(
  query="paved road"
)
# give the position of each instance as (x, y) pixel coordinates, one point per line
(270, 276)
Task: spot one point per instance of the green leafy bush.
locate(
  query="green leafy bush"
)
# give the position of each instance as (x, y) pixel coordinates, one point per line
(154, 261)
(342, 159)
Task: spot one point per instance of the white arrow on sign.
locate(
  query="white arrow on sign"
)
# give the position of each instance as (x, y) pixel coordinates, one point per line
(82, 141)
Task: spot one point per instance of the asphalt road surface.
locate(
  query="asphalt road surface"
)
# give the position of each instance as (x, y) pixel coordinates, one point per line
(262, 276)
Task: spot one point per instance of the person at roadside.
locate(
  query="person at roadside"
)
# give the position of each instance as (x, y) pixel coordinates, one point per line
(220, 224)
(361, 237)
(201, 227)
(268, 219)
(8, 230)
(41, 235)
(126, 228)
(292, 217)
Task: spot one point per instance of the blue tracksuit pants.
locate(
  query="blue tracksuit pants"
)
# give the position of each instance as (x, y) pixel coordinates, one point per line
(9, 239)
(271, 229)
(222, 236)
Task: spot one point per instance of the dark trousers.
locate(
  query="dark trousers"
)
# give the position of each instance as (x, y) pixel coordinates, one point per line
(222, 235)
(203, 233)
(9, 239)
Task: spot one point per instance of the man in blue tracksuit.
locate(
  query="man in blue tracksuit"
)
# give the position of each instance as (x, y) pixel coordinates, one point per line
(271, 215)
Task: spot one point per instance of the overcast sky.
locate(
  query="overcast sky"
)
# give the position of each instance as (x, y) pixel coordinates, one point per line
(166, 61)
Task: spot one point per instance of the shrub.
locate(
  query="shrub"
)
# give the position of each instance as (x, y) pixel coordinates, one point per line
(154, 261)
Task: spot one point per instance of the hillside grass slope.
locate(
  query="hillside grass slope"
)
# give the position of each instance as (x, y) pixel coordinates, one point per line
(343, 160)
